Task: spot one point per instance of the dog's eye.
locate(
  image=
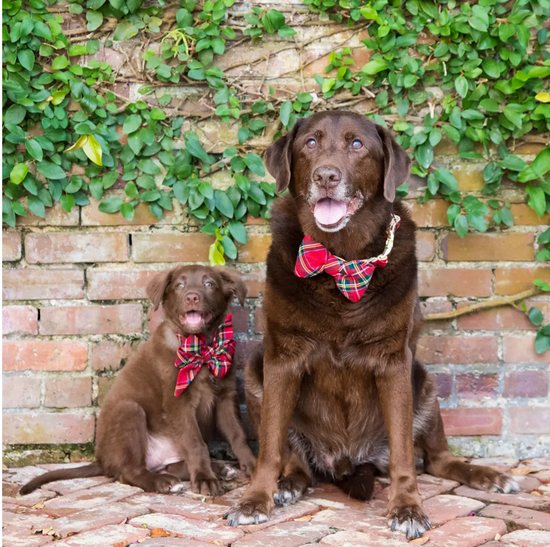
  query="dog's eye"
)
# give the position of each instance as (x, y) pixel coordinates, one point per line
(357, 144)
(207, 284)
(181, 285)
(311, 143)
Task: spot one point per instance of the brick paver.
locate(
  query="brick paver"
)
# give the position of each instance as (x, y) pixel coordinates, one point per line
(97, 512)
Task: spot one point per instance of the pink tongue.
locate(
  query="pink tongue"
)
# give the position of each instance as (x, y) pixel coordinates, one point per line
(329, 211)
(193, 318)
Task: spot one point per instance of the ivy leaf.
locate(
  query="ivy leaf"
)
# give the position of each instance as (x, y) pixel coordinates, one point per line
(447, 178)
(536, 316)
(36, 206)
(92, 149)
(375, 66)
(18, 173)
(127, 211)
(111, 205)
(461, 225)
(26, 58)
(452, 212)
(15, 114)
(461, 86)
(131, 190)
(50, 170)
(229, 247)
(67, 202)
(131, 124)
(542, 342)
(254, 163)
(195, 148)
(124, 31)
(215, 254)
(285, 112)
(223, 204)
(60, 62)
(78, 144)
(94, 18)
(149, 167)
(537, 199)
(237, 231)
(452, 133)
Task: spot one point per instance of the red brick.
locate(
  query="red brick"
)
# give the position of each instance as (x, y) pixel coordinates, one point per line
(20, 319)
(259, 321)
(521, 349)
(109, 355)
(240, 319)
(469, 177)
(244, 350)
(444, 383)
(527, 538)
(510, 246)
(461, 350)
(118, 285)
(48, 428)
(55, 216)
(472, 421)
(351, 538)
(433, 213)
(256, 249)
(286, 534)
(425, 246)
(526, 216)
(521, 499)
(42, 284)
(515, 280)
(11, 246)
(456, 282)
(171, 247)
(476, 386)
(67, 392)
(443, 508)
(115, 535)
(530, 420)
(255, 282)
(71, 247)
(518, 517)
(20, 391)
(44, 355)
(439, 306)
(121, 319)
(22, 537)
(500, 318)
(526, 383)
(465, 532)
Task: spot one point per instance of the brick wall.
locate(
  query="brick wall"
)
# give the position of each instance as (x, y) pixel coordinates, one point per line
(75, 307)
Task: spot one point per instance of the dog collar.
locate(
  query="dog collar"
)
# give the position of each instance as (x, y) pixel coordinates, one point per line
(352, 276)
(194, 352)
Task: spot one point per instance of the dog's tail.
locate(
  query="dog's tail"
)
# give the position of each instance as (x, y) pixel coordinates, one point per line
(360, 484)
(84, 471)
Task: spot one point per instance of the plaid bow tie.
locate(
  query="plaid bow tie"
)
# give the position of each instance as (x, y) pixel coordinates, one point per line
(352, 277)
(194, 352)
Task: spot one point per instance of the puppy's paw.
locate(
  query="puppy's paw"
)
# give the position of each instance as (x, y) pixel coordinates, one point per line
(165, 483)
(227, 472)
(290, 490)
(409, 519)
(253, 509)
(486, 478)
(205, 485)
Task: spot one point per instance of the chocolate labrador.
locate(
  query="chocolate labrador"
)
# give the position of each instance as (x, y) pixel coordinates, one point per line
(337, 389)
(150, 432)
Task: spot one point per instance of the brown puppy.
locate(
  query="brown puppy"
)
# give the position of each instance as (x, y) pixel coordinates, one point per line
(338, 390)
(143, 427)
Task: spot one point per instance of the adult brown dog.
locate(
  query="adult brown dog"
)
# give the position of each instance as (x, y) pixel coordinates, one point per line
(341, 374)
(143, 427)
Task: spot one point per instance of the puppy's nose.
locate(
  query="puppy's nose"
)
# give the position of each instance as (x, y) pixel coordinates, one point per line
(327, 176)
(192, 299)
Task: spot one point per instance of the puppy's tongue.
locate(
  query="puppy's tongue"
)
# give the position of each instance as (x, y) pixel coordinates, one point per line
(329, 211)
(193, 318)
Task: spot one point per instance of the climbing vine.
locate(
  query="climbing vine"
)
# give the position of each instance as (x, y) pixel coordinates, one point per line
(473, 74)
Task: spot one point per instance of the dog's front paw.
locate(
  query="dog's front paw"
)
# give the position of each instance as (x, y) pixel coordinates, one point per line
(486, 478)
(409, 519)
(291, 489)
(253, 509)
(205, 485)
(165, 484)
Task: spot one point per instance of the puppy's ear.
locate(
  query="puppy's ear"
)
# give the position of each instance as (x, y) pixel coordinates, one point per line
(157, 287)
(233, 283)
(397, 164)
(278, 158)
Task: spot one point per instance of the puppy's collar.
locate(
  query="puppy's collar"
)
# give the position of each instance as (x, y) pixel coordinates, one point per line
(353, 276)
(194, 352)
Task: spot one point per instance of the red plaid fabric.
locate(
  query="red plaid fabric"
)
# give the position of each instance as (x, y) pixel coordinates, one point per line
(194, 352)
(353, 276)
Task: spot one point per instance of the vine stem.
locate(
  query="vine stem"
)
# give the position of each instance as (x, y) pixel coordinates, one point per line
(478, 306)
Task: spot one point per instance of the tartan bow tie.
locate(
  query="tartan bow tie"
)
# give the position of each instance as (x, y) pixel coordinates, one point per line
(353, 276)
(194, 352)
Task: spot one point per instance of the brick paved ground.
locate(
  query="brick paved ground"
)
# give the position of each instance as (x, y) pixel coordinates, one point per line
(96, 512)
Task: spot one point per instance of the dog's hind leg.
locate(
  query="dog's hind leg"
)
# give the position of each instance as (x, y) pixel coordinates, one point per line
(439, 461)
(295, 479)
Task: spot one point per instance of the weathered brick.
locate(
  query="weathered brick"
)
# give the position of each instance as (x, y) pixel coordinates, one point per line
(432, 213)
(527, 538)
(42, 284)
(48, 428)
(476, 386)
(171, 247)
(256, 249)
(526, 216)
(521, 499)
(20, 391)
(515, 280)
(244, 349)
(430, 486)
(501, 318)
(444, 384)
(446, 147)
(456, 282)
(518, 517)
(20, 319)
(107, 355)
(259, 320)
(67, 392)
(55, 216)
(438, 306)
(472, 421)
(510, 246)
(466, 532)
(121, 319)
(529, 420)
(521, 349)
(255, 282)
(526, 383)
(114, 534)
(67, 247)
(286, 534)
(118, 285)
(443, 508)
(18, 537)
(457, 349)
(44, 355)
(425, 246)
(469, 177)
(11, 246)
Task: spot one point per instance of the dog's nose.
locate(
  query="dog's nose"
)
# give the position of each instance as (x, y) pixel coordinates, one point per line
(327, 176)
(192, 299)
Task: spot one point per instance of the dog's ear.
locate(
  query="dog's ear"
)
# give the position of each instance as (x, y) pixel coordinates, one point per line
(397, 164)
(233, 283)
(278, 158)
(157, 287)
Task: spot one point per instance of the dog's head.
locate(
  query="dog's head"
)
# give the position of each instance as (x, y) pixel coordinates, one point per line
(196, 298)
(337, 162)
